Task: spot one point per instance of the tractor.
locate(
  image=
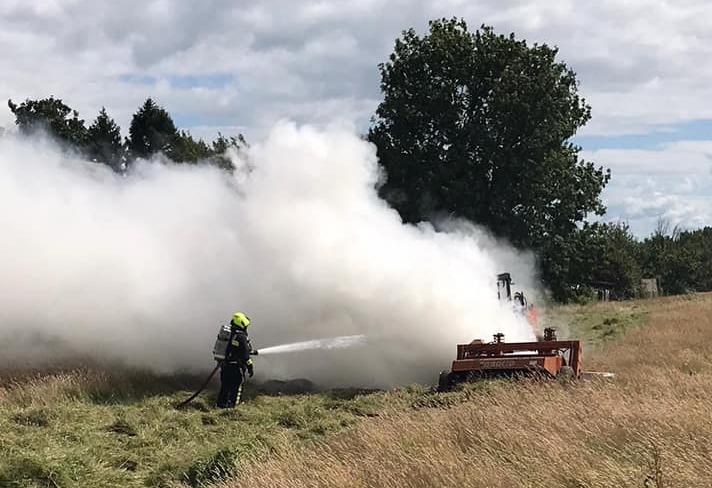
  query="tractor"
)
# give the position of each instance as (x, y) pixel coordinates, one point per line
(546, 356)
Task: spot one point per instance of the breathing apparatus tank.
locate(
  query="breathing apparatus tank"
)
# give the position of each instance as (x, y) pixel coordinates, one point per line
(221, 343)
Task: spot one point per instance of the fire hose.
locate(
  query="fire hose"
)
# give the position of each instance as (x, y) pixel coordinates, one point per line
(205, 383)
(202, 387)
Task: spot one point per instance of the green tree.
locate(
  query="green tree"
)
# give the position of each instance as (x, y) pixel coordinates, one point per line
(52, 116)
(222, 145)
(614, 260)
(477, 125)
(583, 260)
(185, 149)
(151, 131)
(680, 260)
(699, 245)
(105, 141)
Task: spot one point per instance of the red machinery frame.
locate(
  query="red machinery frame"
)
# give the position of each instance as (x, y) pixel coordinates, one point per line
(499, 357)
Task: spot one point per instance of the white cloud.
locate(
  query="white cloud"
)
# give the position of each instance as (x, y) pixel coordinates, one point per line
(643, 212)
(668, 187)
(639, 62)
(641, 65)
(681, 157)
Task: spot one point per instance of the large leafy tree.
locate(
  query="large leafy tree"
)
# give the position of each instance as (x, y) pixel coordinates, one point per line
(476, 125)
(152, 130)
(52, 116)
(105, 141)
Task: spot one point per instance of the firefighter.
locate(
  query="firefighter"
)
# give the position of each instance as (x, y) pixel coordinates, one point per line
(237, 360)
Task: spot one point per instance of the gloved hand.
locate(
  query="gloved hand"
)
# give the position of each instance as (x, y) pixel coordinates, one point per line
(250, 370)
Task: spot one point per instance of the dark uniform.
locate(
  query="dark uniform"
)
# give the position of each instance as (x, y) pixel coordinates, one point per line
(232, 370)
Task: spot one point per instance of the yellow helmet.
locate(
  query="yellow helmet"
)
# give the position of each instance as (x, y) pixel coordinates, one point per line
(240, 320)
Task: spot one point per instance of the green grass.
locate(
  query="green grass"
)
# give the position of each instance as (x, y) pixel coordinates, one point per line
(598, 323)
(92, 429)
(72, 430)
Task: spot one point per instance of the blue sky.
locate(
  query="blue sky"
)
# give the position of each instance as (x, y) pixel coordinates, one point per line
(692, 130)
(239, 67)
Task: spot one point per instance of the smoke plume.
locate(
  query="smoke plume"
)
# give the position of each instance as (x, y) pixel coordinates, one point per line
(143, 269)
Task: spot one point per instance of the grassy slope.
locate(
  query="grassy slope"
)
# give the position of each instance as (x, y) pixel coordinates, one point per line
(597, 324)
(90, 429)
(651, 426)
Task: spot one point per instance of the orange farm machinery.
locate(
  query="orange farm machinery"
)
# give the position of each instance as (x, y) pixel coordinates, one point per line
(549, 357)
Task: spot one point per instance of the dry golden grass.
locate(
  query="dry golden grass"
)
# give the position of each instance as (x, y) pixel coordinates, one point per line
(651, 426)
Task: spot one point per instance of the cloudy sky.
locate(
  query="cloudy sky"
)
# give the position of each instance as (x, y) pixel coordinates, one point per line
(236, 66)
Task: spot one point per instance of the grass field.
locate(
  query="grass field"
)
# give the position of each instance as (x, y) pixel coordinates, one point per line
(650, 425)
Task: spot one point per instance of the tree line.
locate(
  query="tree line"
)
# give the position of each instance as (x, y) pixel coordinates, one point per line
(151, 131)
(474, 125)
(608, 256)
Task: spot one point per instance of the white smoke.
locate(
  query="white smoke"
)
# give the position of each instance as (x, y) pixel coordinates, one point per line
(145, 268)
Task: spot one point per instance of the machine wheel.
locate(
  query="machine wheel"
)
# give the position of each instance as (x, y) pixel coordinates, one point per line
(445, 381)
